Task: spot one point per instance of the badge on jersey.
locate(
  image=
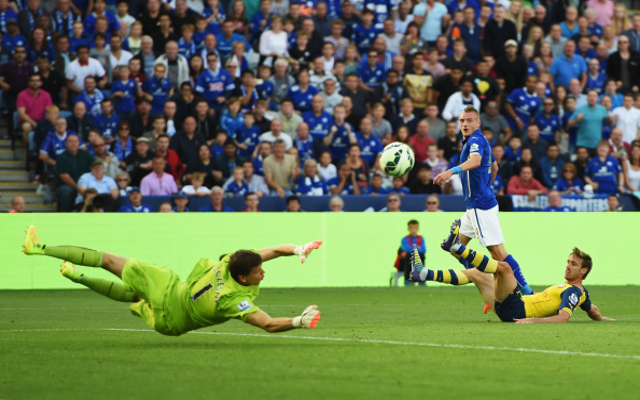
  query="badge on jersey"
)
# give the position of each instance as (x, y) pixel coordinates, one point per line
(573, 299)
(244, 305)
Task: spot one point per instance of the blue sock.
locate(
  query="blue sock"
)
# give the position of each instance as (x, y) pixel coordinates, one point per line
(466, 264)
(524, 286)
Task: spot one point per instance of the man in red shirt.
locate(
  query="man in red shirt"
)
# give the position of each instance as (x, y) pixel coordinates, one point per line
(32, 104)
(421, 141)
(170, 156)
(525, 184)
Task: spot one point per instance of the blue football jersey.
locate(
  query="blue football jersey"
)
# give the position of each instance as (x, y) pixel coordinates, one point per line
(213, 85)
(476, 183)
(124, 105)
(302, 100)
(524, 105)
(159, 88)
(548, 126)
(370, 147)
(319, 126)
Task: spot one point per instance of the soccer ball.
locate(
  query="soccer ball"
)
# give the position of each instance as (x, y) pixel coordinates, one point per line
(396, 159)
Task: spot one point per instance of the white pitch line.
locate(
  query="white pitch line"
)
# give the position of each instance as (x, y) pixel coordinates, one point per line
(371, 341)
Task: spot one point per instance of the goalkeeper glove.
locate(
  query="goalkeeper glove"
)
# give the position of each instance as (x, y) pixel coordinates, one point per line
(309, 318)
(303, 251)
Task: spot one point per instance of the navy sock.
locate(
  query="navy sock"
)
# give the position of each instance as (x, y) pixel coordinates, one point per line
(524, 286)
(466, 264)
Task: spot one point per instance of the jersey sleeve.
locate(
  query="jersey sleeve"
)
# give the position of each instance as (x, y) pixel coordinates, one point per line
(570, 299)
(405, 246)
(586, 305)
(512, 97)
(475, 146)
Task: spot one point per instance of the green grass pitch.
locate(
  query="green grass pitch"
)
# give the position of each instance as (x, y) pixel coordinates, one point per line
(376, 343)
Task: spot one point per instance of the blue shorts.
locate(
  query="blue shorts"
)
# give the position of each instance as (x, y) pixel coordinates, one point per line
(512, 307)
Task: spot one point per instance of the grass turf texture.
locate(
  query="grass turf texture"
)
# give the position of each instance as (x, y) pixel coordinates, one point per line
(57, 345)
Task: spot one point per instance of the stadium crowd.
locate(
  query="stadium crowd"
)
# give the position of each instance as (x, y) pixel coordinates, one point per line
(284, 97)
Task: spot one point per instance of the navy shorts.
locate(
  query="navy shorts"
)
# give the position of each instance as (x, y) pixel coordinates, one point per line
(512, 307)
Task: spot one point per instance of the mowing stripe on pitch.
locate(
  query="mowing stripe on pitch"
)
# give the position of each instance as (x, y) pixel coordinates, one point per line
(372, 341)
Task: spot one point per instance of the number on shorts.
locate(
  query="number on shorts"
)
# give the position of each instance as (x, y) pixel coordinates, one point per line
(201, 292)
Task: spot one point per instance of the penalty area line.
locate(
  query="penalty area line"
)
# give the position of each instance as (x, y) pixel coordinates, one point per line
(351, 340)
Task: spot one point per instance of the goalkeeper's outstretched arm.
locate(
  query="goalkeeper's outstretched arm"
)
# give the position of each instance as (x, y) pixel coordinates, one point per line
(289, 250)
(309, 319)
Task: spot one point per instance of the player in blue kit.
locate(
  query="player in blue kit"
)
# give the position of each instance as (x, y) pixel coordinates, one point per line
(522, 105)
(477, 170)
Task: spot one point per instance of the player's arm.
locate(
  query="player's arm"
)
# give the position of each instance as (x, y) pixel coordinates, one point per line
(594, 314)
(289, 250)
(309, 319)
(562, 316)
(474, 161)
(494, 170)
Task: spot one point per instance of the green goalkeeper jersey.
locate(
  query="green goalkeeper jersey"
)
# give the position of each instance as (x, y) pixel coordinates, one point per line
(212, 296)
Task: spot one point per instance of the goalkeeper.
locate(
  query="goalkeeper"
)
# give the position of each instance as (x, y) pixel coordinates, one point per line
(213, 293)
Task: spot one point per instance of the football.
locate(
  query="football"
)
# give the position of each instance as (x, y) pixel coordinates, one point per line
(396, 159)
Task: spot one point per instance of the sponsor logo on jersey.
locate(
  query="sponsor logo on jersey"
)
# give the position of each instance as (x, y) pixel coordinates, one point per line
(244, 305)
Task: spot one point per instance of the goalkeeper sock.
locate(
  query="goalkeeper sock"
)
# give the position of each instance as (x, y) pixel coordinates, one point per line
(517, 272)
(114, 290)
(75, 255)
(478, 260)
(450, 276)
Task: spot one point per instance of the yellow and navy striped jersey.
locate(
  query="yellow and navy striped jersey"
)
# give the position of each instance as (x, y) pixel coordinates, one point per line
(555, 298)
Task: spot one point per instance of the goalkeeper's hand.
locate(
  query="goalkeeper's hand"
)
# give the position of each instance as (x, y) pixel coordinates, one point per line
(303, 251)
(309, 318)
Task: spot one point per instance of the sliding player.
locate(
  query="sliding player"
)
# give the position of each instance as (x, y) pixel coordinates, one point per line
(554, 304)
(478, 168)
(213, 293)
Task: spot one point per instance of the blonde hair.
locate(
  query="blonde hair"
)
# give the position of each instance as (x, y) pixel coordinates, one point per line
(619, 27)
(199, 176)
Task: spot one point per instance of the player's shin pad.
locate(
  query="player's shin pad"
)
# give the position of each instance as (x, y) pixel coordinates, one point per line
(75, 255)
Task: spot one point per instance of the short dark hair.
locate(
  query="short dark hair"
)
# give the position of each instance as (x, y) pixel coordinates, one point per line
(293, 198)
(229, 142)
(413, 222)
(242, 262)
(586, 260)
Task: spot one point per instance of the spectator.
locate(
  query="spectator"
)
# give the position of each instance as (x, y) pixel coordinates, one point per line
(158, 183)
(107, 121)
(604, 172)
(390, 93)
(631, 169)
(308, 147)
(280, 170)
(276, 134)
(582, 161)
(551, 166)
(52, 82)
(256, 183)
(397, 186)
(181, 200)
(310, 182)
(436, 163)
(70, 166)
(91, 96)
(627, 118)
(139, 163)
(345, 182)
(340, 135)
(549, 123)
(375, 188)
(197, 187)
(567, 66)
(31, 104)
(293, 204)
(359, 97)
(336, 204)
(109, 160)
(165, 207)
(359, 167)
(18, 205)
(522, 106)
(437, 127)
(446, 86)
(330, 95)
(618, 148)
(589, 119)
(370, 144)
(533, 141)
(405, 118)
(187, 142)
(96, 179)
(146, 55)
(431, 16)
(142, 121)
(289, 119)
(497, 32)
(421, 141)
(80, 68)
(568, 182)
(251, 200)
(216, 202)
(555, 203)
(327, 168)
(448, 145)
(634, 34)
(393, 203)
(432, 204)
(135, 202)
(158, 89)
(15, 75)
(122, 180)
(318, 120)
(117, 57)
(55, 143)
(423, 184)
(576, 91)
(525, 184)
(123, 146)
(459, 100)
(229, 159)
(527, 159)
(613, 203)
(491, 119)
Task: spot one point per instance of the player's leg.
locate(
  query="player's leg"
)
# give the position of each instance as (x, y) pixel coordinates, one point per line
(74, 254)
(114, 290)
(490, 236)
(467, 232)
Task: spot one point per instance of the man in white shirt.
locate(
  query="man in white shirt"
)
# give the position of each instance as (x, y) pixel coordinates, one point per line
(459, 100)
(404, 18)
(390, 36)
(276, 133)
(330, 95)
(627, 118)
(82, 67)
(118, 56)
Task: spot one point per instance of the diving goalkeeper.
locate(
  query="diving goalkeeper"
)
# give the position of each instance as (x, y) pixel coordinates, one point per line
(213, 293)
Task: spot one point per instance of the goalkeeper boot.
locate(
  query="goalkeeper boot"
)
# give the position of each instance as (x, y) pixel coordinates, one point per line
(452, 242)
(416, 265)
(68, 270)
(31, 245)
